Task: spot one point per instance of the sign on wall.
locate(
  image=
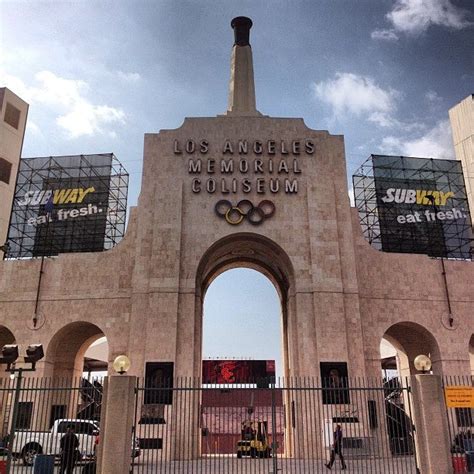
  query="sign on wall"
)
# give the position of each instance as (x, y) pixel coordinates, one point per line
(67, 204)
(414, 205)
(459, 397)
(238, 371)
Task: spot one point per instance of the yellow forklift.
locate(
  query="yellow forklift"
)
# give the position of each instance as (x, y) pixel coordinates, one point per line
(254, 442)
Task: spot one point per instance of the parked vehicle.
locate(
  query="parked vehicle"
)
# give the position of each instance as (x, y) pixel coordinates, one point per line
(27, 444)
(254, 443)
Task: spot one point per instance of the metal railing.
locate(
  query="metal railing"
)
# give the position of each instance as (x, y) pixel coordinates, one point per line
(283, 425)
(35, 415)
(459, 397)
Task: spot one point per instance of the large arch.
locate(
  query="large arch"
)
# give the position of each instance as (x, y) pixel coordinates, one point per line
(410, 340)
(258, 253)
(64, 355)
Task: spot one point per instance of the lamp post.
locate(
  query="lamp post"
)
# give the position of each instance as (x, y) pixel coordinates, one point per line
(34, 353)
(121, 364)
(422, 363)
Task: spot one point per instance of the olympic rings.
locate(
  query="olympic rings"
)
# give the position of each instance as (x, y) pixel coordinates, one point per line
(234, 215)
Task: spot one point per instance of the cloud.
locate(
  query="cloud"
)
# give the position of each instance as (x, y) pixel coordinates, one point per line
(351, 195)
(129, 76)
(78, 116)
(384, 35)
(436, 143)
(352, 94)
(432, 97)
(87, 119)
(33, 128)
(416, 16)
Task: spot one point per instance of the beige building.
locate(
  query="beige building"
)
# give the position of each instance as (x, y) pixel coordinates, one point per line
(13, 114)
(241, 189)
(462, 125)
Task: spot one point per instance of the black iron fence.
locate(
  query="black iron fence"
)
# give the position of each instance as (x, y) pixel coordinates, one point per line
(35, 416)
(459, 398)
(284, 425)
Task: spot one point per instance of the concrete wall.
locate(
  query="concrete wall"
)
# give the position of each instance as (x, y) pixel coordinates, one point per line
(339, 295)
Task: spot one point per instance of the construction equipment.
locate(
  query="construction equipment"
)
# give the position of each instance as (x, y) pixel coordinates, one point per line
(254, 443)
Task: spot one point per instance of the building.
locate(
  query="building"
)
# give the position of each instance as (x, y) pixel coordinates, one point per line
(339, 296)
(462, 125)
(244, 189)
(13, 114)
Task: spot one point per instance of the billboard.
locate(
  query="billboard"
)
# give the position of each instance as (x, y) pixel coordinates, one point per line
(261, 372)
(67, 204)
(415, 205)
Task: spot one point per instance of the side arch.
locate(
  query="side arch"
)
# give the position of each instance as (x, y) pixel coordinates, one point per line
(412, 339)
(64, 355)
(471, 353)
(6, 336)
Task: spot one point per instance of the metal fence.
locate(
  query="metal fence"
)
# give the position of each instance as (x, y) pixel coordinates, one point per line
(284, 425)
(36, 414)
(458, 397)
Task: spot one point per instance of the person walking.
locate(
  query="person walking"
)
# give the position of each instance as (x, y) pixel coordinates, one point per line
(69, 445)
(337, 449)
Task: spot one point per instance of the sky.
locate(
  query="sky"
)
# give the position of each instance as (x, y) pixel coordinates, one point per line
(100, 74)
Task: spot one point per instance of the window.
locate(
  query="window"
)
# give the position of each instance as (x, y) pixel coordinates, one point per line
(85, 428)
(5, 171)
(62, 427)
(80, 427)
(25, 410)
(57, 412)
(12, 116)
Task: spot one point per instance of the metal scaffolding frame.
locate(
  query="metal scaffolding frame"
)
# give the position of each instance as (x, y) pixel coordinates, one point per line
(94, 232)
(449, 238)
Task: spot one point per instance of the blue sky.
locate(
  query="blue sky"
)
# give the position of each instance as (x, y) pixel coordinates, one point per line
(98, 75)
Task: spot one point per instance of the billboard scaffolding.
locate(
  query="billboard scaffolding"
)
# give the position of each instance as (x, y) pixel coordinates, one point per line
(414, 205)
(66, 204)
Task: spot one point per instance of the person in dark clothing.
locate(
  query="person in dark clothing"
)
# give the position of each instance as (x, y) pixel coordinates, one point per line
(69, 445)
(337, 449)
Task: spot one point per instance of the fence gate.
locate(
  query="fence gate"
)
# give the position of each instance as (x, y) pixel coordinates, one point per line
(286, 426)
(459, 410)
(35, 413)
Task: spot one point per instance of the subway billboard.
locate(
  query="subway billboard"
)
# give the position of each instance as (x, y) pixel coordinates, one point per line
(415, 205)
(67, 204)
(229, 371)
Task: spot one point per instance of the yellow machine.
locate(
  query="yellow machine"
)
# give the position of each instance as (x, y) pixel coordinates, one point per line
(254, 443)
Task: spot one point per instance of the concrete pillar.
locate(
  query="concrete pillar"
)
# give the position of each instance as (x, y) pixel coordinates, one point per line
(116, 427)
(432, 435)
(241, 85)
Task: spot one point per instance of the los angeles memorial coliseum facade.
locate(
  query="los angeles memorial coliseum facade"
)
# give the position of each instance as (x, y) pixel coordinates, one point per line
(339, 296)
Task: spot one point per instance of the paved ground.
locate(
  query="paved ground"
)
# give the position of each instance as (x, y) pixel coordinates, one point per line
(229, 465)
(261, 466)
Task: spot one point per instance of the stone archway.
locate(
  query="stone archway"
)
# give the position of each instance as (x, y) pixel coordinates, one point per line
(64, 356)
(6, 336)
(471, 353)
(258, 253)
(410, 340)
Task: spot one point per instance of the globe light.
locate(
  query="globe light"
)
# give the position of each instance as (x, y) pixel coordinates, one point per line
(121, 364)
(422, 363)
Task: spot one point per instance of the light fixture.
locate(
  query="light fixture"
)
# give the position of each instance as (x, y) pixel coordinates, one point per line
(9, 354)
(121, 364)
(422, 363)
(34, 352)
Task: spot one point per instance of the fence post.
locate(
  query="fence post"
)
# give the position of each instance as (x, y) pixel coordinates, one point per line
(433, 446)
(116, 432)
